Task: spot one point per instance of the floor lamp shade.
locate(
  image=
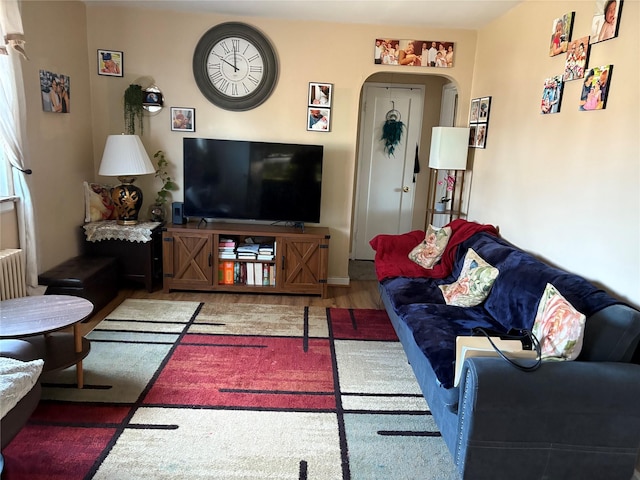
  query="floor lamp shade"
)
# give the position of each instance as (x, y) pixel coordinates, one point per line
(125, 157)
(449, 148)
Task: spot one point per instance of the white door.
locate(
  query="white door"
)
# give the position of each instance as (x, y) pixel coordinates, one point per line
(385, 184)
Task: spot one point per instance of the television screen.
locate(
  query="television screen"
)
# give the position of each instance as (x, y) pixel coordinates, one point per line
(244, 180)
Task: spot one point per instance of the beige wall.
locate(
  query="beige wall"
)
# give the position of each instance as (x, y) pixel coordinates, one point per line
(8, 226)
(159, 47)
(565, 186)
(59, 146)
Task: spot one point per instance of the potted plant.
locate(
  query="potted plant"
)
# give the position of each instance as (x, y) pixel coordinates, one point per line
(447, 186)
(158, 211)
(133, 108)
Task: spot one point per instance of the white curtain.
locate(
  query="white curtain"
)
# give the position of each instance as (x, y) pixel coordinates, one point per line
(12, 128)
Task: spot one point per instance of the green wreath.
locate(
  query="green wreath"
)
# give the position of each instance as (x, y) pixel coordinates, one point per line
(392, 131)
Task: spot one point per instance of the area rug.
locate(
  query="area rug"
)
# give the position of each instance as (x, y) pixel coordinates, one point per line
(193, 390)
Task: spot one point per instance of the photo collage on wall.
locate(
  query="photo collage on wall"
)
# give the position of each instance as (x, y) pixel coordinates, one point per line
(319, 101)
(595, 80)
(479, 122)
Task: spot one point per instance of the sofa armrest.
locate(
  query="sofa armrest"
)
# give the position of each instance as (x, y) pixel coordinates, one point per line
(563, 412)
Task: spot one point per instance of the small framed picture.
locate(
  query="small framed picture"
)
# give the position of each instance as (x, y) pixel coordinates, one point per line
(320, 94)
(485, 106)
(183, 119)
(606, 20)
(576, 60)
(481, 135)
(318, 119)
(551, 95)
(561, 34)
(473, 130)
(475, 110)
(56, 92)
(595, 88)
(110, 63)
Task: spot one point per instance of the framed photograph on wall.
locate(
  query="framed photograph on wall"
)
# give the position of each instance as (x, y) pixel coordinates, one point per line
(473, 130)
(576, 60)
(606, 20)
(110, 63)
(551, 95)
(414, 53)
(475, 110)
(481, 135)
(479, 121)
(561, 34)
(320, 94)
(318, 119)
(485, 107)
(56, 92)
(595, 88)
(183, 119)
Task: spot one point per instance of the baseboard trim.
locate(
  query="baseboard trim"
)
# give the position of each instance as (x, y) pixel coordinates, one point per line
(338, 281)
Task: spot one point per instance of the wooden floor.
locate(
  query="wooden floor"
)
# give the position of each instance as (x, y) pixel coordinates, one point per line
(359, 294)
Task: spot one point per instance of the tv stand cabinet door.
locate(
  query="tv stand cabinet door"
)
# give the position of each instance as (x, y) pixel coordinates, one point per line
(304, 265)
(188, 260)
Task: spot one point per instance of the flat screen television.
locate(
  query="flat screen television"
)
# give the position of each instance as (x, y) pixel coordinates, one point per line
(245, 180)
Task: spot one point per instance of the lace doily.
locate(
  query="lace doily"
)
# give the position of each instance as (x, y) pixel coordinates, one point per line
(110, 230)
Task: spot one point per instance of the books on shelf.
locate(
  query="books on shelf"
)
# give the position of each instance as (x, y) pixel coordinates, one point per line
(244, 261)
(248, 248)
(469, 346)
(227, 273)
(246, 273)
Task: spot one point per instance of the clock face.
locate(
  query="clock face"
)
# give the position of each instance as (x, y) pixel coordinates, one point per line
(235, 66)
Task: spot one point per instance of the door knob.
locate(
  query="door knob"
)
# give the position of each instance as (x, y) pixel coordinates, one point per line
(405, 189)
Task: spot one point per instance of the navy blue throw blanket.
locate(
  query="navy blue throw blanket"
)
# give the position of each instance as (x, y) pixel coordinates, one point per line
(512, 302)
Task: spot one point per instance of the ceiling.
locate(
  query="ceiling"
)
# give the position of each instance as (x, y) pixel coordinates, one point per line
(464, 14)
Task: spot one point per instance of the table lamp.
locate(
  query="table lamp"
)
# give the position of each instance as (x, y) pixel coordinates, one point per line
(125, 157)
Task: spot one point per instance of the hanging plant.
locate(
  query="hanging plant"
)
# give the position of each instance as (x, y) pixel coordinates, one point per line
(133, 109)
(392, 131)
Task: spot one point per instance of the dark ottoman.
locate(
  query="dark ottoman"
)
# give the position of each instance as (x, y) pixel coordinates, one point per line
(93, 278)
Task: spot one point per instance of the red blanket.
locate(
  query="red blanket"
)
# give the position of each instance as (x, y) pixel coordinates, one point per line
(392, 251)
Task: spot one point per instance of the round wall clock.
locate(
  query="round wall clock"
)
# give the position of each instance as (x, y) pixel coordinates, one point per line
(235, 66)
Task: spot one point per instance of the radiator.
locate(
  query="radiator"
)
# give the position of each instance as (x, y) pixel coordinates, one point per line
(12, 274)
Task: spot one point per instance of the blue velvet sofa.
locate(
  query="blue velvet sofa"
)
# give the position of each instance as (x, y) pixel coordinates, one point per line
(567, 420)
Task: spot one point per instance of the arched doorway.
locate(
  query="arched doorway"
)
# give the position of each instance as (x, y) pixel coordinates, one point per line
(382, 203)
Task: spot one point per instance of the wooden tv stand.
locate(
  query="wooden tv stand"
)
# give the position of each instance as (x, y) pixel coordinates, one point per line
(191, 259)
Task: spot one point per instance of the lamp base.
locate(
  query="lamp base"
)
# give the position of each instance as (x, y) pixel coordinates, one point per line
(127, 199)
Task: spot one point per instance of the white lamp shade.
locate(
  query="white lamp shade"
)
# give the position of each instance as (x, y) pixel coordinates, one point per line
(124, 155)
(449, 148)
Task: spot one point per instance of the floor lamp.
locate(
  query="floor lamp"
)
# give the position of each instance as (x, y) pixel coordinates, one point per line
(449, 150)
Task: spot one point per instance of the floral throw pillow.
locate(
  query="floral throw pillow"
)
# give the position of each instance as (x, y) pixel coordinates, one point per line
(98, 202)
(558, 326)
(428, 252)
(474, 283)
